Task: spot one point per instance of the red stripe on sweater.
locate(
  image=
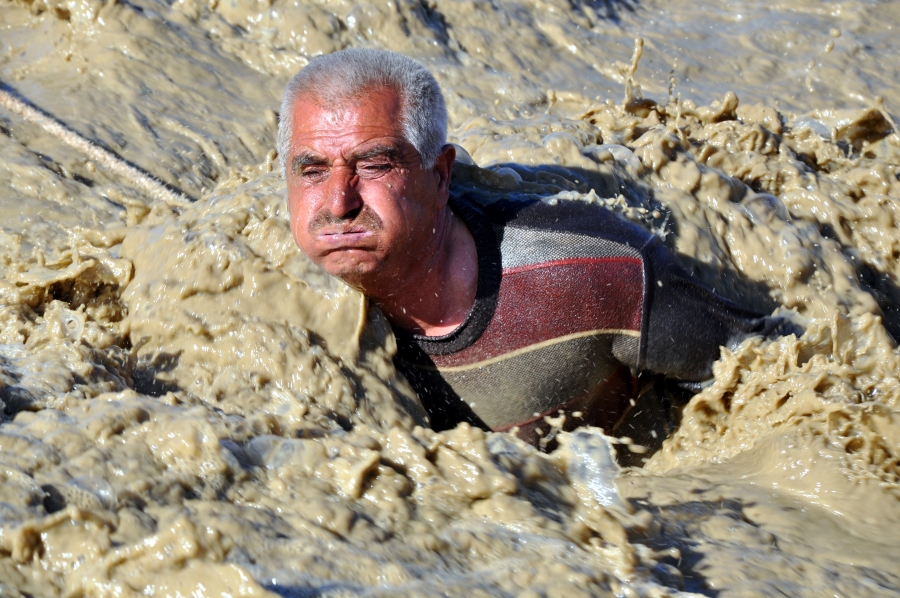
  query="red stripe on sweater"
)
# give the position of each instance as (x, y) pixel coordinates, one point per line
(571, 260)
(549, 300)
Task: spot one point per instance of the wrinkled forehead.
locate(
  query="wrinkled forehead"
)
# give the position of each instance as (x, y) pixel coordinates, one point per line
(340, 99)
(319, 125)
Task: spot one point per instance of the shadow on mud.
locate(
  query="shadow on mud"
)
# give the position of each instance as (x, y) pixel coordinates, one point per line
(886, 294)
(612, 9)
(149, 374)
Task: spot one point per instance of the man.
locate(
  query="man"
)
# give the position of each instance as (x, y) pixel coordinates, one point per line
(505, 315)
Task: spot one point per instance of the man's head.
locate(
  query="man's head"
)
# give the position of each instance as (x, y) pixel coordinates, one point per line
(335, 79)
(361, 141)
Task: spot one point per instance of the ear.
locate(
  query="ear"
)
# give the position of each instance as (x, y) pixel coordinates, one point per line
(443, 167)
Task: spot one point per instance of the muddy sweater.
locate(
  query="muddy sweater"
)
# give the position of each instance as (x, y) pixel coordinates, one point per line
(573, 303)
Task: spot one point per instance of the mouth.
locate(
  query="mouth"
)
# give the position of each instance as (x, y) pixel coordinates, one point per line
(349, 238)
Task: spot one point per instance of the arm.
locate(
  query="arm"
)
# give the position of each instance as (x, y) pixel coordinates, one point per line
(685, 323)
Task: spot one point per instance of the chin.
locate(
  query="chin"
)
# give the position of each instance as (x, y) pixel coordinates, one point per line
(355, 275)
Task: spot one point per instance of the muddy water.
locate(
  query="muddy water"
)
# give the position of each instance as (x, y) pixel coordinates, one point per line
(193, 408)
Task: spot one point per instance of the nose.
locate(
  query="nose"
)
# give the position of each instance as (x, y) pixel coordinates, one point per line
(342, 196)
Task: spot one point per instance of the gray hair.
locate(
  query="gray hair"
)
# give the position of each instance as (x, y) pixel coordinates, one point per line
(335, 79)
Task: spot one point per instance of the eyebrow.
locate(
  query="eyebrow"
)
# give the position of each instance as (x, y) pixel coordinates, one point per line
(306, 159)
(388, 151)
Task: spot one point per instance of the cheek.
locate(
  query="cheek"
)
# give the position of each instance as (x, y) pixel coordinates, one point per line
(296, 231)
(299, 223)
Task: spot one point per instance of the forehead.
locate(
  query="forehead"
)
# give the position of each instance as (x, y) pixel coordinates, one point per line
(327, 129)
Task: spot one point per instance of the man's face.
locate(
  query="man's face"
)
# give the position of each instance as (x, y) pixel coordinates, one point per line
(361, 205)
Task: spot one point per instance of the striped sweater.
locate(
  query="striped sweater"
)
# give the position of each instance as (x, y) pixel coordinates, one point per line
(573, 302)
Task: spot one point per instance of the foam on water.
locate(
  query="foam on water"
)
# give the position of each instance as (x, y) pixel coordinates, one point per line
(192, 407)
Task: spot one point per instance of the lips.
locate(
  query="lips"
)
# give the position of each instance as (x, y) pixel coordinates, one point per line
(351, 238)
(333, 233)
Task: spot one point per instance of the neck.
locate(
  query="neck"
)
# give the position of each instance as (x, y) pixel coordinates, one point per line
(436, 298)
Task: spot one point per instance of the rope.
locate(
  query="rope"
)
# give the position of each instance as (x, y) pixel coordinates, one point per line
(146, 182)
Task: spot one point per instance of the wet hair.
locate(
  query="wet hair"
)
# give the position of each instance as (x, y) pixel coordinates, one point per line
(335, 79)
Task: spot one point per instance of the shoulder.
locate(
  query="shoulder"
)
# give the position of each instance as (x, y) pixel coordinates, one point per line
(566, 218)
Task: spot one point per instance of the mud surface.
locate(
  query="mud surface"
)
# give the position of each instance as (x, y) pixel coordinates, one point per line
(192, 408)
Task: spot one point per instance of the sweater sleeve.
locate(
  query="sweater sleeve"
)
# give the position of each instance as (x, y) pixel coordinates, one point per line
(685, 323)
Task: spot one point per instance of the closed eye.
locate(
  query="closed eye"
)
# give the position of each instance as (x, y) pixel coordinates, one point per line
(373, 169)
(307, 165)
(311, 176)
(376, 167)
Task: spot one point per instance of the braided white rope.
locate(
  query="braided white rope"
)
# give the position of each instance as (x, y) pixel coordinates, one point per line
(153, 187)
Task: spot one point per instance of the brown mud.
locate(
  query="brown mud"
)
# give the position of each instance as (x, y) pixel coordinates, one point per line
(193, 408)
